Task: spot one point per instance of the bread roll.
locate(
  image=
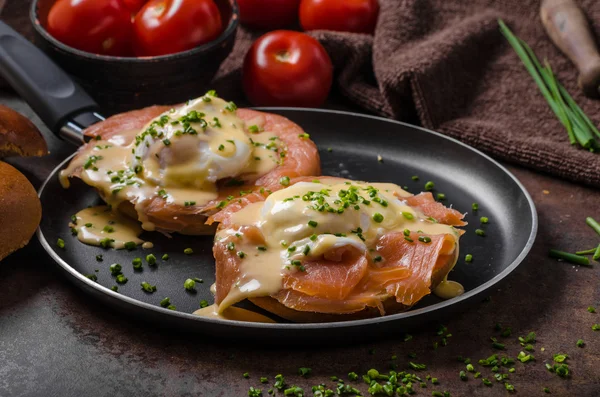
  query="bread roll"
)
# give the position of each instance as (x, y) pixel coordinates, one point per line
(19, 136)
(20, 210)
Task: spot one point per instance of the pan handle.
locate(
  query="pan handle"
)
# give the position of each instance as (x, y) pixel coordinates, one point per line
(59, 101)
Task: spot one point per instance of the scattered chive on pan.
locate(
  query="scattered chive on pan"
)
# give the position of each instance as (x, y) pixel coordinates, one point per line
(580, 128)
(571, 258)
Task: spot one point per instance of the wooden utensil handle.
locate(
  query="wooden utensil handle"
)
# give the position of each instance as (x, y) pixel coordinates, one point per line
(568, 27)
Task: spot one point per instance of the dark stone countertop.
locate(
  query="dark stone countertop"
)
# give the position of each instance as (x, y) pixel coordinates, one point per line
(56, 341)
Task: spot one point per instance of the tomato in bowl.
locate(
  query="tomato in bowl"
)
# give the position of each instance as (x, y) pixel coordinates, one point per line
(119, 80)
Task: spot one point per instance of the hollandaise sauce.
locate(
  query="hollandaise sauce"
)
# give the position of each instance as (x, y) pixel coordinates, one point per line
(177, 159)
(311, 219)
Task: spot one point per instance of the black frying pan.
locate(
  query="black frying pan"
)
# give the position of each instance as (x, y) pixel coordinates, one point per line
(464, 174)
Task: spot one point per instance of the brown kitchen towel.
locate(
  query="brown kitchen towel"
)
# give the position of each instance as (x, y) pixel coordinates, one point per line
(447, 60)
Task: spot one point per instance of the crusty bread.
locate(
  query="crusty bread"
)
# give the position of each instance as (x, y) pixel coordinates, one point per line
(19, 136)
(390, 304)
(20, 210)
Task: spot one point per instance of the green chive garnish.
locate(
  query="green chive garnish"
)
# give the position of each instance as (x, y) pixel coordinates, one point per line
(480, 232)
(188, 251)
(151, 259)
(165, 302)
(189, 284)
(468, 258)
(579, 128)
(429, 186)
(147, 287)
(408, 215)
(377, 217)
(60, 243)
(571, 258)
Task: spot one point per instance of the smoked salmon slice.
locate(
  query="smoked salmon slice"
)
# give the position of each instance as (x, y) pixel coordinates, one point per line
(333, 277)
(428, 206)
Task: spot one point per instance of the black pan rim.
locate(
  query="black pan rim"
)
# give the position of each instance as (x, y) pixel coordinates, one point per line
(80, 279)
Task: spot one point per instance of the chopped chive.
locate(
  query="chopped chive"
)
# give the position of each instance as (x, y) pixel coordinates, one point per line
(441, 196)
(596, 255)
(468, 258)
(408, 215)
(306, 250)
(188, 251)
(586, 252)
(475, 206)
(312, 223)
(60, 243)
(189, 284)
(580, 343)
(165, 302)
(121, 279)
(593, 224)
(591, 309)
(484, 219)
(137, 263)
(571, 258)
(415, 178)
(429, 186)
(115, 269)
(130, 245)
(165, 257)
(92, 277)
(151, 259)
(285, 181)
(377, 217)
(499, 346)
(147, 287)
(203, 303)
(304, 372)
(480, 232)
(425, 239)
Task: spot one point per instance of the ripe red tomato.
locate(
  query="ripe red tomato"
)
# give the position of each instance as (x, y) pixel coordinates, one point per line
(268, 14)
(134, 5)
(358, 16)
(286, 68)
(96, 26)
(169, 26)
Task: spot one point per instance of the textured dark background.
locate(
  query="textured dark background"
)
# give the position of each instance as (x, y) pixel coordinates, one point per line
(56, 341)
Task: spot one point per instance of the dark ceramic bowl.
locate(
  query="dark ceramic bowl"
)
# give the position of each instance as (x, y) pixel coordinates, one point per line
(120, 83)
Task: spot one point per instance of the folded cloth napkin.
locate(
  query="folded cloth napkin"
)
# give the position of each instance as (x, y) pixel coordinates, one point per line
(447, 62)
